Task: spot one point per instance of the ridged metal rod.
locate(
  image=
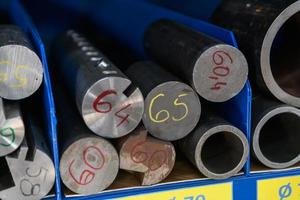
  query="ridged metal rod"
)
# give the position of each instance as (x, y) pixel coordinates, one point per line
(109, 104)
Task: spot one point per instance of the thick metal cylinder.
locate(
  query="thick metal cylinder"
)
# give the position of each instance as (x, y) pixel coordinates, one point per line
(172, 108)
(89, 163)
(31, 166)
(151, 159)
(13, 131)
(275, 133)
(218, 149)
(21, 70)
(268, 33)
(216, 70)
(109, 104)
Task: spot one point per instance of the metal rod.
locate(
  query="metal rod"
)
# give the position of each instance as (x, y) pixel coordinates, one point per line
(13, 131)
(31, 167)
(172, 108)
(275, 128)
(89, 163)
(2, 113)
(109, 104)
(218, 149)
(216, 70)
(268, 34)
(152, 159)
(21, 70)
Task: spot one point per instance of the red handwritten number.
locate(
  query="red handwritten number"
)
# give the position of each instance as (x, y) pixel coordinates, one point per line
(220, 70)
(87, 176)
(153, 160)
(107, 105)
(98, 102)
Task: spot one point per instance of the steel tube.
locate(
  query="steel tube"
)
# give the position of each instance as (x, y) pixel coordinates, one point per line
(21, 71)
(268, 34)
(275, 128)
(151, 159)
(172, 108)
(216, 70)
(13, 131)
(109, 104)
(218, 149)
(31, 166)
(89, 163)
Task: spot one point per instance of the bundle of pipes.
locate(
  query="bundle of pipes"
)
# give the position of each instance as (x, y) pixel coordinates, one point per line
(267, 33)
(109, 105)
(26, 165)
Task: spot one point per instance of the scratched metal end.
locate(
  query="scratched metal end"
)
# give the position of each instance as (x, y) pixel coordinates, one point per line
(172, 110)
(221, 152)
(21, 72)
(89, 165)
(220, 73)
(152, 159)
(276, 140)
(33, 175)
(279, 58)
(13, 131)
(2, 113)
(110, 113)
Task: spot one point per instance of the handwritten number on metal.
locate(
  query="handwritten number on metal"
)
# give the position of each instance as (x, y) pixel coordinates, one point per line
(8, 136)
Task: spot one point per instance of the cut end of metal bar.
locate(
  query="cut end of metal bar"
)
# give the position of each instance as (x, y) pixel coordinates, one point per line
(221, 152)
(276, 138)
(21, 72)
(33, 178)
(220, 73)
(13, 131)
(172, 110)
(151, 158)
(110, 113)
(89, 165)
(279, 58)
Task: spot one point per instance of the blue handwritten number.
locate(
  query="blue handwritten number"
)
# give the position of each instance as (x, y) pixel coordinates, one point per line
(200, 197)
(285, 191)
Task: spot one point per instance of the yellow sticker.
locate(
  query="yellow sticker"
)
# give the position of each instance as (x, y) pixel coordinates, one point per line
(287, 188)
(210, 192)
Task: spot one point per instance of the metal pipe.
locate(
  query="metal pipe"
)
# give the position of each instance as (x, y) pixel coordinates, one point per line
(218, 149)
(13, 131)
(31, 166)
(275, 133)
(268, 34)
(216, 70)
(89, 163)
(21, 70)
(151, 159)
(172, 108)
(109, 104)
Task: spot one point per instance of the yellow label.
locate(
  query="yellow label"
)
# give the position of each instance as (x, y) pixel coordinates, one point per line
(210, 192)
(287, 188)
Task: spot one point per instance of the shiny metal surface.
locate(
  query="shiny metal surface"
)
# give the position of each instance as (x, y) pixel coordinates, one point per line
(217, 71)
(21, 70)
(32, 171)
(275, 138)
(108, 102)
(152, 159)
(2, 114)
(218, 149)
(89, 165)
(172, 108)
(13, 131)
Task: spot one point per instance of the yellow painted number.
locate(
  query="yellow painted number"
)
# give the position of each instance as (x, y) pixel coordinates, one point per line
(164, 115)
(23, 81)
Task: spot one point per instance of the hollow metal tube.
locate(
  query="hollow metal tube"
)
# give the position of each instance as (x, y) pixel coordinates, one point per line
(275, 128)
(268, 34)
(218, 149)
